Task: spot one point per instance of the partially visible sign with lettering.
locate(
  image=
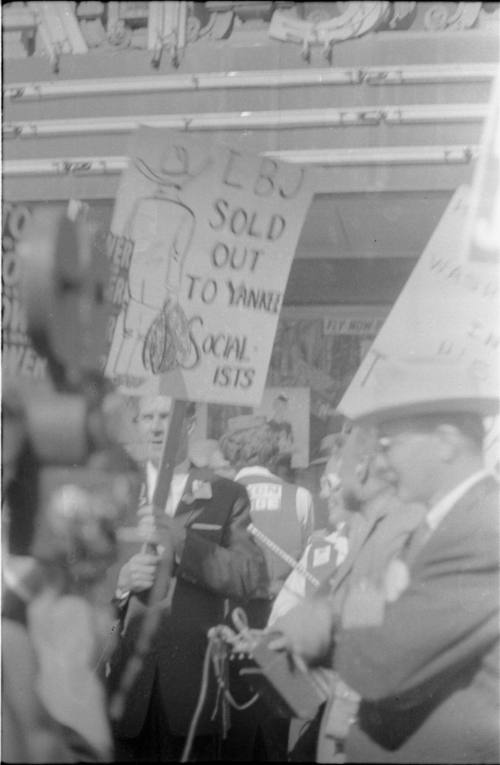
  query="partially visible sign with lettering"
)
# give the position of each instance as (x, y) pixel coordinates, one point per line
(351, 326)
(18, 355)
(448, 308)
(201, 244)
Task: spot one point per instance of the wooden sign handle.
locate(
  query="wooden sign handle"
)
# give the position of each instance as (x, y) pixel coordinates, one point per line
(167, 462)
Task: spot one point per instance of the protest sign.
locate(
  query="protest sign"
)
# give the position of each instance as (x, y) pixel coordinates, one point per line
(351, 326)
(448, 308)
(287, 410)
(18, 356)
(29, 236)
(450, 305)
(201, 244)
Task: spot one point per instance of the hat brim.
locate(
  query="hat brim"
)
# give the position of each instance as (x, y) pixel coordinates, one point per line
(485, 407)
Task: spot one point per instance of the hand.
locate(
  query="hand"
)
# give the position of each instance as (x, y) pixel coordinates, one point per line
(146, 525)
(306, 631)
(160, 529)
(171, 533)
(139, 573)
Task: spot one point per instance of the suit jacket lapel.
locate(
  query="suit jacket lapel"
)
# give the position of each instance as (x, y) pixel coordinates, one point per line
(356, 542)
(193, 475)
(468, 502)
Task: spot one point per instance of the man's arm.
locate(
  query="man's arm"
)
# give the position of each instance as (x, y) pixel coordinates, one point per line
(237, 568)
(446, 617)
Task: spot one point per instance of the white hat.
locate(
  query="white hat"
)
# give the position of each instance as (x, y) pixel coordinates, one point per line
(415, 385)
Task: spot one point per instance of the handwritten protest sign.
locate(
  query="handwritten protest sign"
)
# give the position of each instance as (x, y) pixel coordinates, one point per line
(448, 308)
(18, 355)
(201, 244)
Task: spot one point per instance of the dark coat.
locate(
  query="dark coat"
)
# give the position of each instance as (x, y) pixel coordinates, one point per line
(429, 676)
(221, 566)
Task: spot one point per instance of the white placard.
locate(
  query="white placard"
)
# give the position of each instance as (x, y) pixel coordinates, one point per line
(202, 241)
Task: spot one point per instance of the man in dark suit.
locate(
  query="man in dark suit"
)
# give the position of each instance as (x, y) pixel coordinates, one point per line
(426, 667)
(213, 560)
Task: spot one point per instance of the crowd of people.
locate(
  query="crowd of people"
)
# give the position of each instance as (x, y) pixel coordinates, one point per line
(396, 600)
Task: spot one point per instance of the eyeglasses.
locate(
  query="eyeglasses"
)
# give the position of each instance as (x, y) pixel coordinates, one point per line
(386, 443)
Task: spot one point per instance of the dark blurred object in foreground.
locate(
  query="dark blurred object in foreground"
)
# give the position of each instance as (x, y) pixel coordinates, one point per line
(67, 484)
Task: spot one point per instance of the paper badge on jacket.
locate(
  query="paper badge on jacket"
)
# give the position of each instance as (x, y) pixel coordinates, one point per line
(396, 580)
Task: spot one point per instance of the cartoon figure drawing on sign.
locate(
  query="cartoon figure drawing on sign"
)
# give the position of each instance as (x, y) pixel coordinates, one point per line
(152, 331)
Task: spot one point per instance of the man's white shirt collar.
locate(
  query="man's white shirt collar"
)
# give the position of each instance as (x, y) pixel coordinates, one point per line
(177, 486)
(251, 471)
(151, 478)
(441, 509)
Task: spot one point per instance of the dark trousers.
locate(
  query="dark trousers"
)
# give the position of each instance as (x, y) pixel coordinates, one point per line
(256, 735)
(156, 742)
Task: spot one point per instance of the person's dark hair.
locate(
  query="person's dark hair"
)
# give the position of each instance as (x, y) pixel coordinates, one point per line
(279, 427)
(255, 445)
(282, 467)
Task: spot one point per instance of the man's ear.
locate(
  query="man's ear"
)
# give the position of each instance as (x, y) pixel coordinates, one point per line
(449, 441)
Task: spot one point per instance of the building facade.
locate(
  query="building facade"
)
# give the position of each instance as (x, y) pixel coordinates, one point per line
(386, 100)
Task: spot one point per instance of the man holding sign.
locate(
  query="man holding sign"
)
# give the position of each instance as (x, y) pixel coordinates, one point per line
(203, 535)
(201, 244)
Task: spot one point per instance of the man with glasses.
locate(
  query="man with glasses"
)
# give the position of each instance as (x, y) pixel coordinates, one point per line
(376, 525)
(426, 669)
